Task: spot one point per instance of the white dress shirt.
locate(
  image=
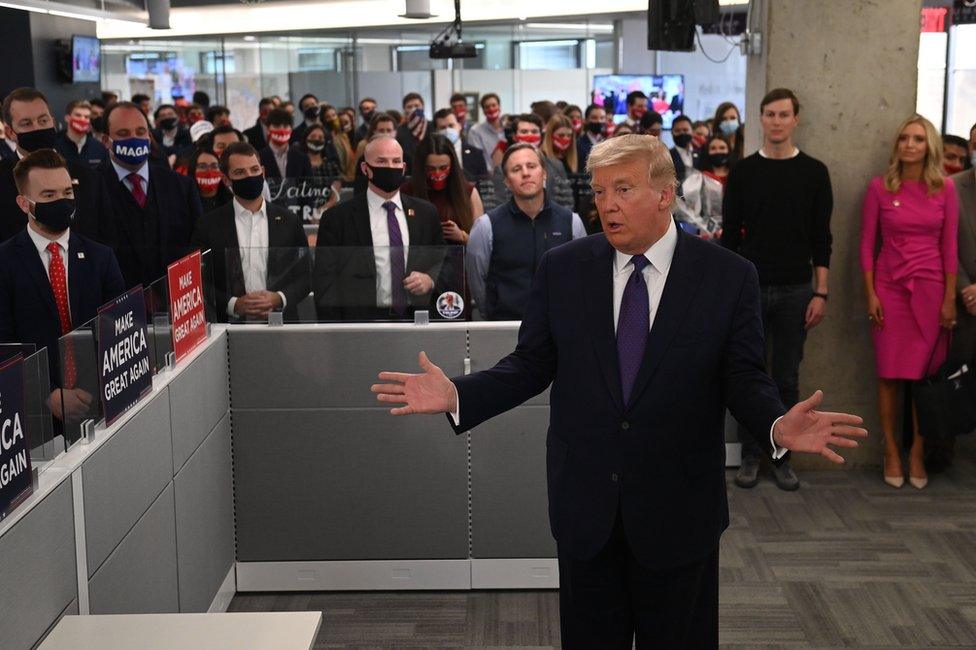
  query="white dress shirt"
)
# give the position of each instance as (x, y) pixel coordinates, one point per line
(123, 175)
(381, 243)
(660, 255)
(41, 243)
(281, 157)
(252, 238)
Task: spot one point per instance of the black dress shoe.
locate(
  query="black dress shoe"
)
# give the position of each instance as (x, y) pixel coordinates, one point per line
(785, 477)
(748, 474)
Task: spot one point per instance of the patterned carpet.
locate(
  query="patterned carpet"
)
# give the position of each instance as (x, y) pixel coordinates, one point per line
(844, 562)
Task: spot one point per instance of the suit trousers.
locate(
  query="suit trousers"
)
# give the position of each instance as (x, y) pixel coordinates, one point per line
(606, 600)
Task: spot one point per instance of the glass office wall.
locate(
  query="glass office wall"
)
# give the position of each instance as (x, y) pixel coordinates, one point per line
(515, 60)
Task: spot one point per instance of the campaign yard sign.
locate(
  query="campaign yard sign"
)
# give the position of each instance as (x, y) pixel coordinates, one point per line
(186, 307)
(15, 464)
(125, 367)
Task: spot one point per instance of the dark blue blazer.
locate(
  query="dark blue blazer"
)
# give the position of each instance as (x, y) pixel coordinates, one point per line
(660, 459)
(173, 202)
(92, 152)
(473, 162)
(28, 313)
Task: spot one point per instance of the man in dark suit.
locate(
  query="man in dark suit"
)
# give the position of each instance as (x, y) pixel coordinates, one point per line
(155, 209)
(309, 107)
(259, 252)
(171, 136)
(29, 123)
(379, 253)
(646, 334)
(257, 135)
(280, 158)
(52, 279)
(683, 154)
(472, 158)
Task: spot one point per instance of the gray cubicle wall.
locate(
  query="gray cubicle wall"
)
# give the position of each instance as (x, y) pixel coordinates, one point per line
(37, 563)
(158, 498)
(322, 472)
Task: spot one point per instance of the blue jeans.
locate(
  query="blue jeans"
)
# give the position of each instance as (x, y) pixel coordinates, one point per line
(784, 309)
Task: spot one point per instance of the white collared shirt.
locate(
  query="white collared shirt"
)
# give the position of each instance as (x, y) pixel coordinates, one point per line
(659, 255)
(252, 239)
(381, 243)
(123, 174)
(281, 157)
(796, 152)
(41, 243)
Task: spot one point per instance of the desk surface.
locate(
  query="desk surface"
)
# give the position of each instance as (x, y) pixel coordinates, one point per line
(255, 631)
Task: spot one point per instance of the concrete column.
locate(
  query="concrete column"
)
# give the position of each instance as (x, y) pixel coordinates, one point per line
(853, 67)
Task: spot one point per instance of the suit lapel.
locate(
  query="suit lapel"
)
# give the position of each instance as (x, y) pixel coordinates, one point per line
(77, 267)
(31, 262)
(360, 217)
(597, 273)
(413, 230)
(232, 252)
(683, 281)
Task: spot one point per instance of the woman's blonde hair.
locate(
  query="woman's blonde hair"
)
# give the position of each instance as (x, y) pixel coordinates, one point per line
(931, 166)
(556, 122)
(645, 148)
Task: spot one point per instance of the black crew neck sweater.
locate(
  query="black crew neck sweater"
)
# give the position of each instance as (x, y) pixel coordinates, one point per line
(776, 214)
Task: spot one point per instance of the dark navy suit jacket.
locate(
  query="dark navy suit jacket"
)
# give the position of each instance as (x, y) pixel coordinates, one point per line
(28, 313)
(659, 459)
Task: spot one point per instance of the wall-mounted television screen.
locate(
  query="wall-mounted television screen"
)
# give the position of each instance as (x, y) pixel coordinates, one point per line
(665, 94)
(85, 59)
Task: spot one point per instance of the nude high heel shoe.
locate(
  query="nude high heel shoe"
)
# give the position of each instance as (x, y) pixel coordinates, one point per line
(895, 481)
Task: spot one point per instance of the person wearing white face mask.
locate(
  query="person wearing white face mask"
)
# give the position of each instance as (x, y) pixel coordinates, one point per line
(472, 158)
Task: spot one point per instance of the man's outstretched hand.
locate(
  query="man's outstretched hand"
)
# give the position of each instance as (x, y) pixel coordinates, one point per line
(807, 430)
(428, 392)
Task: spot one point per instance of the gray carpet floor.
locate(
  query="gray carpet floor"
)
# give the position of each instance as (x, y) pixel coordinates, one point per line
(844, 562)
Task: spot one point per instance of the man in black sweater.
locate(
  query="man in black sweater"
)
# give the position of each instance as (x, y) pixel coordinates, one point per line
(776, 213)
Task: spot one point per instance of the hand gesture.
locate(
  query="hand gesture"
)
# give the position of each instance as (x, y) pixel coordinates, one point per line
(452, 231)
(418, 283)
(969, 299)
(807, 430)
(816, 311)
(428, 392)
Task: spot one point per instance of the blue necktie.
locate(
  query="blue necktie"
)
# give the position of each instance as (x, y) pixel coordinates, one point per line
(633, 325)
(397, 266)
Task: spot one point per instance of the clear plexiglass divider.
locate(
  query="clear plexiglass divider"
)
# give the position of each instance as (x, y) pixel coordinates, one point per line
(325, 284)
(79, 388)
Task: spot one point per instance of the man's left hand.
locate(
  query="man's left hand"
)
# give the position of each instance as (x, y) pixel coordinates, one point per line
(418, 283)
(804, 429)
(263, 302)
(816, 311)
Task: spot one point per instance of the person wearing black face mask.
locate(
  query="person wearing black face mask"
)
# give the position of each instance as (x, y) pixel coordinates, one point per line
(309, 106)
(28, 123)
(260, 251)
(171, 136)
(703, 191)
(594, 131)
(367, 108)
(374, 257)
(53, 279)
(683, 153)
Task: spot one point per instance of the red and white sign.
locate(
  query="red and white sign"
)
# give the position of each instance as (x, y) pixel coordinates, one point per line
(186, 308)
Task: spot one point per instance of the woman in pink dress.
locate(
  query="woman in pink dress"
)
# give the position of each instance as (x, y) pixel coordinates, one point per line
(910, 283)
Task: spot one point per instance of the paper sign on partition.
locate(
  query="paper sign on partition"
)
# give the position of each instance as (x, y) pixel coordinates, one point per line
(186, 307)
(124, 363)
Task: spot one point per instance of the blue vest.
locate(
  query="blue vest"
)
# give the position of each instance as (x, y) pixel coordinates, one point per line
(517, 246)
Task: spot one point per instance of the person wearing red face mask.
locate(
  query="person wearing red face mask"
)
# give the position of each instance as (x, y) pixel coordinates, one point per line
(523, 129)
(437, 177)
(74, 142)
(205, 168)
(280, 158)
(459, 106)
(575, 115)
(955, 155)
(559, 149)
(489, 136)
(636, 107)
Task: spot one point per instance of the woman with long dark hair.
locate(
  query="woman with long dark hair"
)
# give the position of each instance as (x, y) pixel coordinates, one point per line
(317, 145)
(203, 167)
(438, 177)
(728, 124)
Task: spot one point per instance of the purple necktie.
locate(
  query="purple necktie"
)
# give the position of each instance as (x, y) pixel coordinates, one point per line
(633, 325)
(397, 267)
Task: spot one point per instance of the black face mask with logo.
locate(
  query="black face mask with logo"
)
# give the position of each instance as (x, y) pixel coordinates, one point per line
(56, 215)
(387, 179)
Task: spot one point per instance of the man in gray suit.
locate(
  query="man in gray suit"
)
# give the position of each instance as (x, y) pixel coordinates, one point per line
(939, 455)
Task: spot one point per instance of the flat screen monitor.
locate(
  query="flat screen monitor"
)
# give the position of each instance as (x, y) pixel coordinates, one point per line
(665, 94)
(85, 59)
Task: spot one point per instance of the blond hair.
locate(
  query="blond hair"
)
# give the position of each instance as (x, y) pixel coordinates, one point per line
(931, 166)
(632, 147)
(556, 122)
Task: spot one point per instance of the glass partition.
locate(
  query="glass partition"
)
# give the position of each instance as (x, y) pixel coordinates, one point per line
(307, 196)
(340, 284)
(43, 441)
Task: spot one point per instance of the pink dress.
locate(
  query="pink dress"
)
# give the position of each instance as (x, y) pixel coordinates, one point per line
(918, 248)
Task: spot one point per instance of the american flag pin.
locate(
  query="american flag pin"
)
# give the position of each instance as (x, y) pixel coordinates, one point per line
(410, 212)
(278, 218)
(81, 255)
